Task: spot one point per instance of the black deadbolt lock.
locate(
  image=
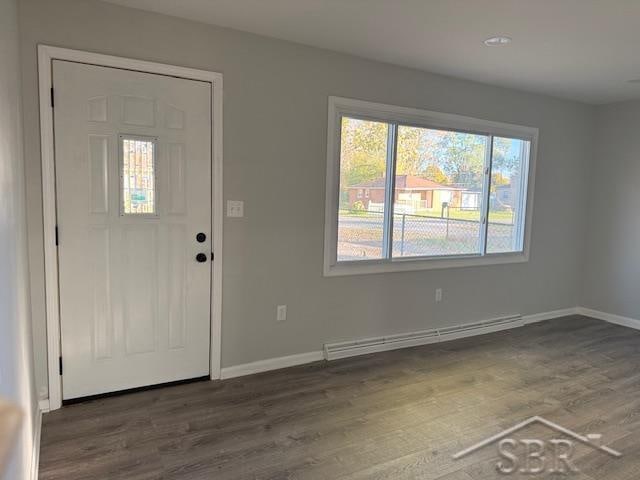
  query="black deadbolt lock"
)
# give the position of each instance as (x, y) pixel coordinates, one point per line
(201, 237)
(201, 257)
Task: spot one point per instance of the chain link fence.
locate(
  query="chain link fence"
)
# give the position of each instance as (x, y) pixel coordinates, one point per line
(360, 235)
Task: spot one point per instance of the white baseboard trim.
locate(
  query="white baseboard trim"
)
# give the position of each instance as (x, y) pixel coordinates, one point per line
(44, 405)
(35, 456)
(309, 357)
(541, 317)
(270, 364)
(610, 318)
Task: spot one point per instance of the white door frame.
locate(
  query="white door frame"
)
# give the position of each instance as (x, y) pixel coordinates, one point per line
(46, 55)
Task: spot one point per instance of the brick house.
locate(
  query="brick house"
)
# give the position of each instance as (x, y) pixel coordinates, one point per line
(411, 192)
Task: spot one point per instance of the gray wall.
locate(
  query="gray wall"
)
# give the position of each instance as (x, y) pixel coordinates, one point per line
(275, 117)
(16, 370)
(612, 263)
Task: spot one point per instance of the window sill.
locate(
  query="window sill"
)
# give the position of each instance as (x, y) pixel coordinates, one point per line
(364, 267)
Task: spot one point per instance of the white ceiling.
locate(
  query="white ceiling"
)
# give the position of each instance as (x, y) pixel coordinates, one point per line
(585, 50)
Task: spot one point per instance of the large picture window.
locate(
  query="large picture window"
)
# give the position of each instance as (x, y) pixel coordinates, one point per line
(441, 190)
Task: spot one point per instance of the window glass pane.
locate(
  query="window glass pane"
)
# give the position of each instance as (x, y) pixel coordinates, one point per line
(438, 194)
(507, 195)
(363, 163)
(138, 176)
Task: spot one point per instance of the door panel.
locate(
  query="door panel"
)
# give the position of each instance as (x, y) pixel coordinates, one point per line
(134, 303)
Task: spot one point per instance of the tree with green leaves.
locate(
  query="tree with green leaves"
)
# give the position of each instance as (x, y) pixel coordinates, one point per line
(363, 151)
(442, 156)
(461, 157)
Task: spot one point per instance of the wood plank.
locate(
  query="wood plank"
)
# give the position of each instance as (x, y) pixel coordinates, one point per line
(399, 414)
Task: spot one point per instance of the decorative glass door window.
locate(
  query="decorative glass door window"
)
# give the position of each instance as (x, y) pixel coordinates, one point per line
(138, 175)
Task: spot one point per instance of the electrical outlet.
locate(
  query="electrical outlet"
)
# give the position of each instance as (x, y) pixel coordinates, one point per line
(438, 295)
(281, 315)
(235, 208)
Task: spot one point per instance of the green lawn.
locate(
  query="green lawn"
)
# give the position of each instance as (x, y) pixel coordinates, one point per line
(473, 215)
(498, 217)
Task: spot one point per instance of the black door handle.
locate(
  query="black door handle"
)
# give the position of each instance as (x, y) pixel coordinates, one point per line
(201, 257)
(201, 237)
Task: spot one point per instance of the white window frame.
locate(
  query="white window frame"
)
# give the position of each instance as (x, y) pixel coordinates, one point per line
(394, 115)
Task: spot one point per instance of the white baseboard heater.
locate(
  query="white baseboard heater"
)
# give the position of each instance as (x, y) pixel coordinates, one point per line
(334, 351)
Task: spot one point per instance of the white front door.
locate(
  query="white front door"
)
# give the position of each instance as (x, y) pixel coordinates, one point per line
(133, 186)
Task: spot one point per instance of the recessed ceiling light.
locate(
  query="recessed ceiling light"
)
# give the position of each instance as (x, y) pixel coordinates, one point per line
(497, 41)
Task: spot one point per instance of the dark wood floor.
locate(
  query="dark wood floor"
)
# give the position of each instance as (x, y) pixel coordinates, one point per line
(394, 415)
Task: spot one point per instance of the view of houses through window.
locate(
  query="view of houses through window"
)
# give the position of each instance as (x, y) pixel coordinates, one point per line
(447, 187)
(363, 163)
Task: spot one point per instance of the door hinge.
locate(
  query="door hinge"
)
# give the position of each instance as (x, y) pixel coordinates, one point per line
(56, 235)
(60, 364)
(52, 101)
(212, 256)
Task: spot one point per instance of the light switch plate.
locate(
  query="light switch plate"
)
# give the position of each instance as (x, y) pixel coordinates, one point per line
(235, 208)
(281, 315)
